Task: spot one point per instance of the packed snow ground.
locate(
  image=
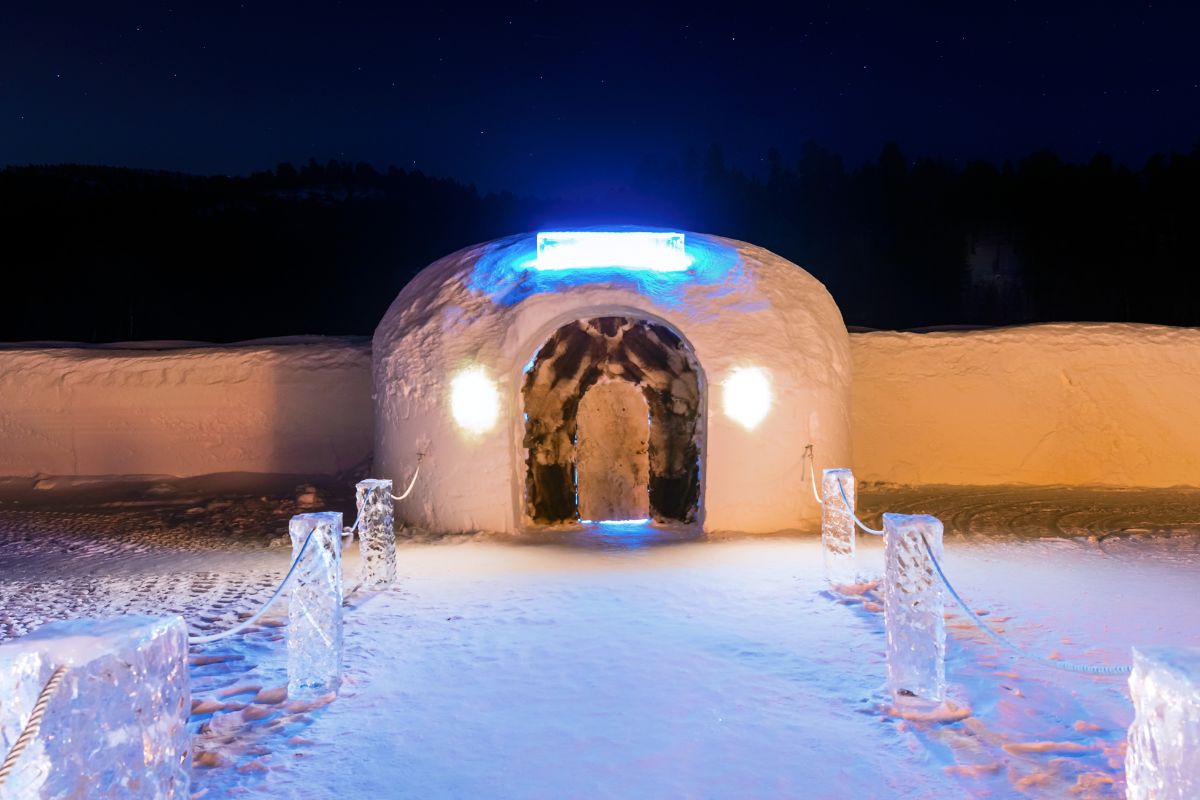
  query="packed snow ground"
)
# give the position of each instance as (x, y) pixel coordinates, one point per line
(632, 662)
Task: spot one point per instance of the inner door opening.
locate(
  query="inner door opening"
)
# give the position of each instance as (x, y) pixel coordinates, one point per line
(612, 453)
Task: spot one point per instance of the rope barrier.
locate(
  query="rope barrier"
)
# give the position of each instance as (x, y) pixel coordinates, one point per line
(254, 617)
(246, 623)
(810, 463)
(857, 521)
(411, 483)
(1069, 666)
(34, 725)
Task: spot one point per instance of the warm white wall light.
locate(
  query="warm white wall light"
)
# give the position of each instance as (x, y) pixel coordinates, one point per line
(474, 401)
(747, 396)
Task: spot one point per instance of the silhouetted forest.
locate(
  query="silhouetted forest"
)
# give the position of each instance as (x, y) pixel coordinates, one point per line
(103, 254)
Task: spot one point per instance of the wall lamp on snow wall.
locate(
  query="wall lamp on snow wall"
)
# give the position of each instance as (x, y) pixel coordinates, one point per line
(747, 396)
(653, 251)
(474, 401)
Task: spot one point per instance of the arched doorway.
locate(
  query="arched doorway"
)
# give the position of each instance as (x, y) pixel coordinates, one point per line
(583, 426)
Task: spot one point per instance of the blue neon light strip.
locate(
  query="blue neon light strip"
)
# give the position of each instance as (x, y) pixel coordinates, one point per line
(652, 251)
(615, 521)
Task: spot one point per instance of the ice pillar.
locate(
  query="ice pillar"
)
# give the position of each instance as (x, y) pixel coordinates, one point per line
(376, 536)
(912, 607)
(314, 634)
(117, 723)
(1163, 757)
(837, 526)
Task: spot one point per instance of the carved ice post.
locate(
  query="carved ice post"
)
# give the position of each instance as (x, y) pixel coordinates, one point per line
(376, 536)
(314, 634)
(912, 606)
(837, 526)
(1162, 761)
(117, 723)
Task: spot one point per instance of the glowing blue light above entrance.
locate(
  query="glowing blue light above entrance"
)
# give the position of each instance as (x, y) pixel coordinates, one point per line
(652, 251)
(615, 521)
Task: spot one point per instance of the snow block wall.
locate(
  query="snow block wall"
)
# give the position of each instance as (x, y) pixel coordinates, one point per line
(1074, 404)
(300, 406)
(1071, 404)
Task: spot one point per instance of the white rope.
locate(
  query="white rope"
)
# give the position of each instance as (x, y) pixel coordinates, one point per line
(810, 462)
(34, 725)
(1069, 666)
(857, 521)
(251, 620)
(350, 531)
(411, 483)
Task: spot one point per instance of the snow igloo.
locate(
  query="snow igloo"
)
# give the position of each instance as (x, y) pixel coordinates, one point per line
(615, 376)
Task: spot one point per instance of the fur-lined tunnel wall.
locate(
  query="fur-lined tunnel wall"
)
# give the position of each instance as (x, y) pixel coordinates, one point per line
(635, 453)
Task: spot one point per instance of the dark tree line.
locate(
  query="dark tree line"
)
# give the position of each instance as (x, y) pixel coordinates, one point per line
(905, 243)
(102, 254)
(98, 254)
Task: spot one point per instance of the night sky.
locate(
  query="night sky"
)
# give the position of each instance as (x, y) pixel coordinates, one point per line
(549, 97)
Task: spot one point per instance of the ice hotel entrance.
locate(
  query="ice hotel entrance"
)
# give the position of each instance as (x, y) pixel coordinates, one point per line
(610, 375)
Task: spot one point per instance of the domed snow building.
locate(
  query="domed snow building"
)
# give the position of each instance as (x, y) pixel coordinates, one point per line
(610, 376)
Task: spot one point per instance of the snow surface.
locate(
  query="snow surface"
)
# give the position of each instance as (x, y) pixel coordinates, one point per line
(632, 662)
(737, 306)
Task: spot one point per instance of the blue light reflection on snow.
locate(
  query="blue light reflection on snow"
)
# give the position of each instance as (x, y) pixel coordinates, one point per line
(621, 534)
(653, 251)
(504, 272)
